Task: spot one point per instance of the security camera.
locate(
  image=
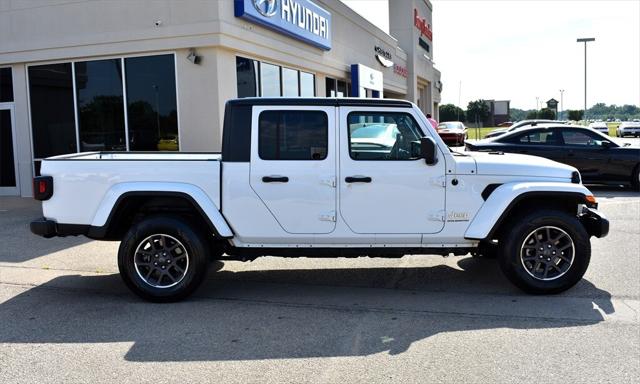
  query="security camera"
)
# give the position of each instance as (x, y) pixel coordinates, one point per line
(193, 57)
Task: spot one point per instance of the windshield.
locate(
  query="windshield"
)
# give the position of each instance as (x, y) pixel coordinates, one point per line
(450, 125)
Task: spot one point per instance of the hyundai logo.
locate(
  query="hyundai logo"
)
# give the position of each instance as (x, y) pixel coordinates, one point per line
(266, 8)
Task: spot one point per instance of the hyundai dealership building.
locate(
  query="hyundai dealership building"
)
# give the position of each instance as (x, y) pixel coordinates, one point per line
(154, 75)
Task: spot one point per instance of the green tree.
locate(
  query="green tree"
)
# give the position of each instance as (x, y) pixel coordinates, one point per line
(477, 111)
(450, 112)
(533, 114)
(517, 114)
(575, 114)
(546, 113)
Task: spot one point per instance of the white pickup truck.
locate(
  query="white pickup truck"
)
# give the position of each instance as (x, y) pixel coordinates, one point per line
(321, 177)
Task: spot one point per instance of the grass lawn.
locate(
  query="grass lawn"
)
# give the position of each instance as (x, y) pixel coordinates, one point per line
(472, 132)
(483, 131)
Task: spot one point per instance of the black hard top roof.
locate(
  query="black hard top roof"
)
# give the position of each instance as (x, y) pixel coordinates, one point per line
(321, 101)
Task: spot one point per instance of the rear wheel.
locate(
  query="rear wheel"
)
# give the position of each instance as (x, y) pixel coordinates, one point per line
(163, 259)
(635, 178)
(547, 251)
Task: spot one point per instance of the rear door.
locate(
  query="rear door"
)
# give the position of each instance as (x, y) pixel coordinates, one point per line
(293, 166)
(543, 142)
(384, 188)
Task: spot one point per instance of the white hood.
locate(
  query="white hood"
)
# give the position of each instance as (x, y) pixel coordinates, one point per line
(509, 164)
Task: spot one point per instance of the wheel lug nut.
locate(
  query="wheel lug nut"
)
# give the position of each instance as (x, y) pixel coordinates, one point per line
(548, 245)
(155, 263)
(548, 259)
(540, 256)
(163, 267)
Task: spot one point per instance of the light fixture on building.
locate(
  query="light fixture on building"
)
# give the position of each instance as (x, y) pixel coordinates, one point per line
(193, 57)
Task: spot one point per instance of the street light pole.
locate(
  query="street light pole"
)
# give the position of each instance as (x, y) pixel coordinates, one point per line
(585, 40)
(561, 105)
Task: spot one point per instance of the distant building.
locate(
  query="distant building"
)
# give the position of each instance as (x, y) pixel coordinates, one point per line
(499, 112)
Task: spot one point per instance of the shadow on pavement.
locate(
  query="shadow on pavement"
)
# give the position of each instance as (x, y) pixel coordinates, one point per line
(18, 243)
(285, 314)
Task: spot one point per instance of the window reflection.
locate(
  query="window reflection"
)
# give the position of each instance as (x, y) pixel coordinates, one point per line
(100, 105)
(247, 77)
(52, 114)
(307, 84)
(270, 80)
(151, 103)
(289, 82)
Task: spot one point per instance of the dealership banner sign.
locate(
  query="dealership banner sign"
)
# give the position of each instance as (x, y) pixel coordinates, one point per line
(300, 19)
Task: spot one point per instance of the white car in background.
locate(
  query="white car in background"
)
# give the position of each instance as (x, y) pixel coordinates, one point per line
(600, 126)
(630, 128)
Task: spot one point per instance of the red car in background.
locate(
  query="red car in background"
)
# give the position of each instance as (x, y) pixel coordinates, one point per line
(452, 132)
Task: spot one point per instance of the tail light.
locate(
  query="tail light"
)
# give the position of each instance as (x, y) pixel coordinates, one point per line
(42, 187)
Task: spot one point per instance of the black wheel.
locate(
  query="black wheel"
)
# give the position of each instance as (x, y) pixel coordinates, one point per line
(635, 178)
(163, 259)
(547, 251)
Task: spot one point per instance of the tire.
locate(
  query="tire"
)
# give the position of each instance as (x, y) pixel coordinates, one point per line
(635, 178)
(163, 258)
(520, 259)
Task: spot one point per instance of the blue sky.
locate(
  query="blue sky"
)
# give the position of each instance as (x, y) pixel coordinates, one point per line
(522, 50)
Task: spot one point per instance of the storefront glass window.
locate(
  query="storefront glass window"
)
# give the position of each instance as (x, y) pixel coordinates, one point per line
(151, 103)
(6, 85)
(307, 84)
(52, 114)
(100, 105)
(269, 80)
(247, 77)
(289, 82)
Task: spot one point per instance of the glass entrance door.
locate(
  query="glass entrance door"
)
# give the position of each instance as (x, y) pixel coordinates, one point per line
(8, 174)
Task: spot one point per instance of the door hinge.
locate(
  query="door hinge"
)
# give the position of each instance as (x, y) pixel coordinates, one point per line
(437, 216)
(331, 181)
(439, 181)
(329, 216)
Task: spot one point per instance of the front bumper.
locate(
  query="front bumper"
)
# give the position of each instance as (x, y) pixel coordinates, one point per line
(49, 228)
(594, 222)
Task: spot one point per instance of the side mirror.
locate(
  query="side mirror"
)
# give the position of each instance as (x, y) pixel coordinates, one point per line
(428, 150)
(605, 144)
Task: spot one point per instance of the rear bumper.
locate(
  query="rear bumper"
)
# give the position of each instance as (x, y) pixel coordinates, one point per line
(594, 222)
(49, 228)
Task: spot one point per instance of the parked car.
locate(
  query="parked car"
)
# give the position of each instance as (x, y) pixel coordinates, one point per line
(380, 135)
(293, 181)
(600, 126)
(453, 132)
(518, 125)
(596, 156)
(505, 124)
(628, 128)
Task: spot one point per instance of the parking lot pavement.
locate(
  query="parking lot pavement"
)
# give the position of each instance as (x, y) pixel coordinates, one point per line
(66, 316)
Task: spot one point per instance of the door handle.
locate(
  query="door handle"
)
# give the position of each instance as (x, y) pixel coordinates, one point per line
(357, 179)
(275, 179)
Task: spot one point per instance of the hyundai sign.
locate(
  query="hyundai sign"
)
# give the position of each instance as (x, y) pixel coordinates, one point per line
(300, 19)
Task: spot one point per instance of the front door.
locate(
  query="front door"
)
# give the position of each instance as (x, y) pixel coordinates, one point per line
(584, 150)
(8, 174)
(293, 166)
(384, 187)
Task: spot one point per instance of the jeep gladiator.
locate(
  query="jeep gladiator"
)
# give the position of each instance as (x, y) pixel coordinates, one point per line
(321, 177)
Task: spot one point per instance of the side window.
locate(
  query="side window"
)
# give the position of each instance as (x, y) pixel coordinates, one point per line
(383, 136)
(293, 135)
(536, 138)
(578, 138)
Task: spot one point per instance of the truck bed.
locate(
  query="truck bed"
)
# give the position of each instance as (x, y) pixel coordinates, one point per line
(87, 185)
(173, 156)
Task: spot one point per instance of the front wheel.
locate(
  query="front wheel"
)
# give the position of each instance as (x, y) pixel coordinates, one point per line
(547, 251)
(163, 259)
(635, 178)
